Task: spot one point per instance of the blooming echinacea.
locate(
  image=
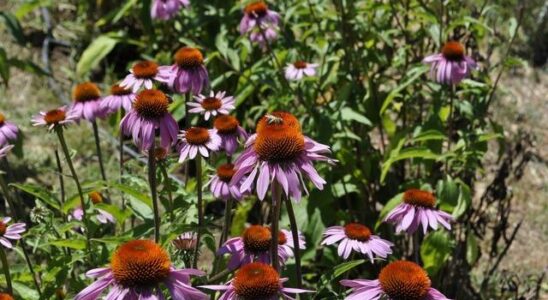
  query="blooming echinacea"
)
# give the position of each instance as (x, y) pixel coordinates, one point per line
(255, 281)
(198, 140)
(86, 104)
(212, 105)
(299, 69)
(357, 237)
(418, 208)
(119, 98)
(279, 152)
(220, 184)
(230, 131)
(254, 245)
(260, 22)
(150, 112)
(450, 66)
(143, 74)
(137, 269)
(398, 280)
(167, 9)
(188, 73)
(55, 117)
(10, 232)
(8, 131)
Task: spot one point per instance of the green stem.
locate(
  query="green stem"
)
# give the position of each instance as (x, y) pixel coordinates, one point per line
(295, 234)
(200, 208)
(98, 148)
(450, 124)
(153, 192)
(224, 233)
(275, 221)
(62, 141)
(121, 166)
(6, 268)
(169, 195)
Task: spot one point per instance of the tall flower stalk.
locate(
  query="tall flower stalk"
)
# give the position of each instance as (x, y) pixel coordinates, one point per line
(200, 208)
(6, 268)
(85, 220)
(153, 191)
(295, 234)
(98, 149)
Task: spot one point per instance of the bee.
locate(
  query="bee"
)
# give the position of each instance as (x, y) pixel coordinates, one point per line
(271, 119)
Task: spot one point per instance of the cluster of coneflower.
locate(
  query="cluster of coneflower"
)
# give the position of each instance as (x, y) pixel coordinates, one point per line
(278, 158)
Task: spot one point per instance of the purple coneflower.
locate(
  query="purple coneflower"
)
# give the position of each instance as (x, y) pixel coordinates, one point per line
(299, 69)
(357, 237)
(258, 20)
(56, 117)
(4, 150)
(143, 74)
(398, 280)
(103, 216)
(119, 98)
(167, 9)
(188, 74)
(137, 269)
(212, 105)
(256, 281)
(86, 104)
(220, 185)
(230, 131)
(8, 131)
(450, 66)
(186, 241)
(198, 140)
(418, 207)
(254, 245)
(10, 232)
(150, 112)
(280, 152)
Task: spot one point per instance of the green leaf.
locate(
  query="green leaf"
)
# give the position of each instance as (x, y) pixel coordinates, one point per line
(435, 250)
(414, 152)
(345, 267)
(428, 135)
(94, 53)
(389, 206)
(412, 76)
(13, 26)
(448, 194)
(73, 244)
(4, 66)
(348, 114)
(472, 248)
(464, 201)
(128, 190)
(40, 193)
(24, 291)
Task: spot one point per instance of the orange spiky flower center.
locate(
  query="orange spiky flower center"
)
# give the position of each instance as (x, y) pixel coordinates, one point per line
(3, 228)
(404, 280)
(2, 119)
(359, 232)
(226, 124)
(151, 104)
(87, 91)
(256, 281)
(5, 296)
(55, 116)
(257, 238)
(282, 239)
(145, 69)
(189, 58)
(197, 136)
(453, 51)
(140, 263)
(256, 9)
(300, 64)
(419, 198)
(225, 172)
(211, 103)
(117, 90)
(279, 138)
(95, 197)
